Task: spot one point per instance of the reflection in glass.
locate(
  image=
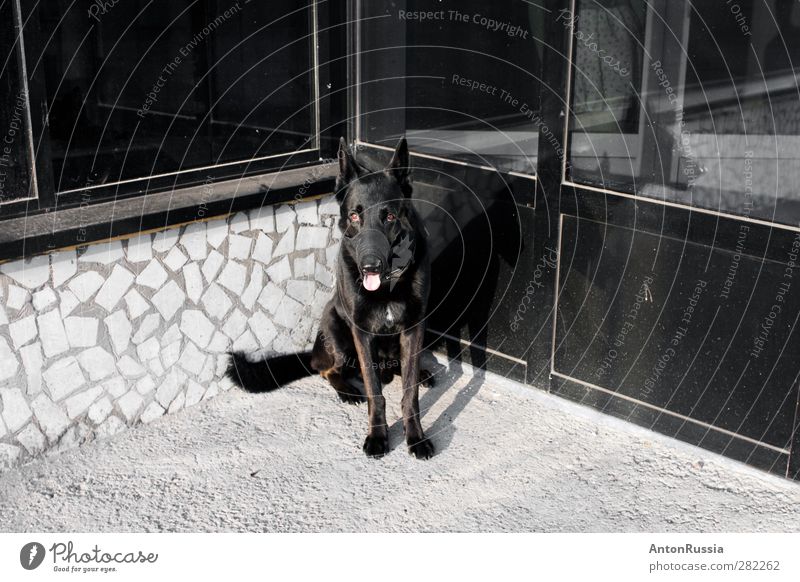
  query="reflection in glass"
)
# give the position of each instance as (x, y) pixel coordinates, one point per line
(709, 114)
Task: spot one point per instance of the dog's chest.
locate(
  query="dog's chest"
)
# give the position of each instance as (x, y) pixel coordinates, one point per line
(386, 317)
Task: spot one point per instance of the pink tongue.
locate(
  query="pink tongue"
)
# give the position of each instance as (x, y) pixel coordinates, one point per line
(372, 281)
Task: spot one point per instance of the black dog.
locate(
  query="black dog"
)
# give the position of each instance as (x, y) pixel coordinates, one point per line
(373, 328)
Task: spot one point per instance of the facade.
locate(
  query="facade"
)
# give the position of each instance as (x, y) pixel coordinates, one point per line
(608, 186)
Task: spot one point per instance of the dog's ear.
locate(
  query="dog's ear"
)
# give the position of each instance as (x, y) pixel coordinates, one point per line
(399, 167)
(349, 169)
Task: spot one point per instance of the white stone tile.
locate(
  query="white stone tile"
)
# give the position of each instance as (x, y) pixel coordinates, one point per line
(22, 331)
(137, 305)
(194, 393)
(284, 217)
(177, 404)
(85, 285)
(130, 404)
(288, 313)
(329, 207)
(193, 282)
(148, 350)
(100, 410)
(169, 300)
(33, 440)
(30, 273)
(17, 297)
(336, 234)
(254, 287)
(239, 247)
(153, 275)
(81, 331)
(63, 377)
(103, 253)
(306, 212)
(129, 367)
(33, 362)
(156, 367)
(115, 386)
(271, 297)
(239, 222)
(165, 240)
(15, 408)
(235, 324)
(68, 302)
(110, 427)
(321, 300)
(97, 362)
(324, 276)
(119, 330)
(302, 291)
(219, 343)
(216, 302)
(172, 334)
(261, 219)
(212, 265)
(52, 419)
(170, 354)
(151, 413)
(175, 259)
(304, 266)
(3, 315)
(263, 251)
(212, 390)
(216, 232)
(312, 237)
(52, 334)
(146, 385)
(8, 455)
(192, 359)
(44, 299)
(193, 240)
(207, 373)
(148, 326)
(280, 271)
(63, 264)
(169, 388)
(114, 288)
(246, 342)
(286, 244)
(196, 326)
(233, 277)
(263, 329)
(140, 248)
(79, 403)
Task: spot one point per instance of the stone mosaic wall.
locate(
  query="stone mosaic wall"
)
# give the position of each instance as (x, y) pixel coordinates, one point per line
(98, 339)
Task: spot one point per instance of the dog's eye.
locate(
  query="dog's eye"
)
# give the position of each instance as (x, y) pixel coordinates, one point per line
(354, 217)
(390, 217)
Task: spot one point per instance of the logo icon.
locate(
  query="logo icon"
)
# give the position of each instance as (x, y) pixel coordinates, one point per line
(31, 555)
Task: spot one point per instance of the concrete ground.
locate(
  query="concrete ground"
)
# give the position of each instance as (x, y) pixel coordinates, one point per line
(509, 458)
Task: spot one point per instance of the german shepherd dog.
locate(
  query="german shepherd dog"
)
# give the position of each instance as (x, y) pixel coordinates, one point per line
(373, 327)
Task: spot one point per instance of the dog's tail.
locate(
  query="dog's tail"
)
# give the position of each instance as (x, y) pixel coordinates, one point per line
(268, 374)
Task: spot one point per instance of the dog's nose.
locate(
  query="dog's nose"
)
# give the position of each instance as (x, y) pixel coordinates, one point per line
(371, 264)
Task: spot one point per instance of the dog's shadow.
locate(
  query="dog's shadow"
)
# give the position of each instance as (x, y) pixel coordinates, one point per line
(442, 430)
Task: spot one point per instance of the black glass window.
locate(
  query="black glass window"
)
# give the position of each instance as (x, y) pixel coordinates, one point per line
(688, 102)
(139, 89)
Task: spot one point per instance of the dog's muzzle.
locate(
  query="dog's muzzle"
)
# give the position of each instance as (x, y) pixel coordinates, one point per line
(372, 251)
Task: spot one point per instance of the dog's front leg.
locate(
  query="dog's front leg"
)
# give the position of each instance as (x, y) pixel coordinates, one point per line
(410, 349)
(377, 441)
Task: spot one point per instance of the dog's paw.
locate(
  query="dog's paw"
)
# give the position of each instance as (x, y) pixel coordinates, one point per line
(426, 379)
(351, 397)
(421, 449)
(376, 446)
